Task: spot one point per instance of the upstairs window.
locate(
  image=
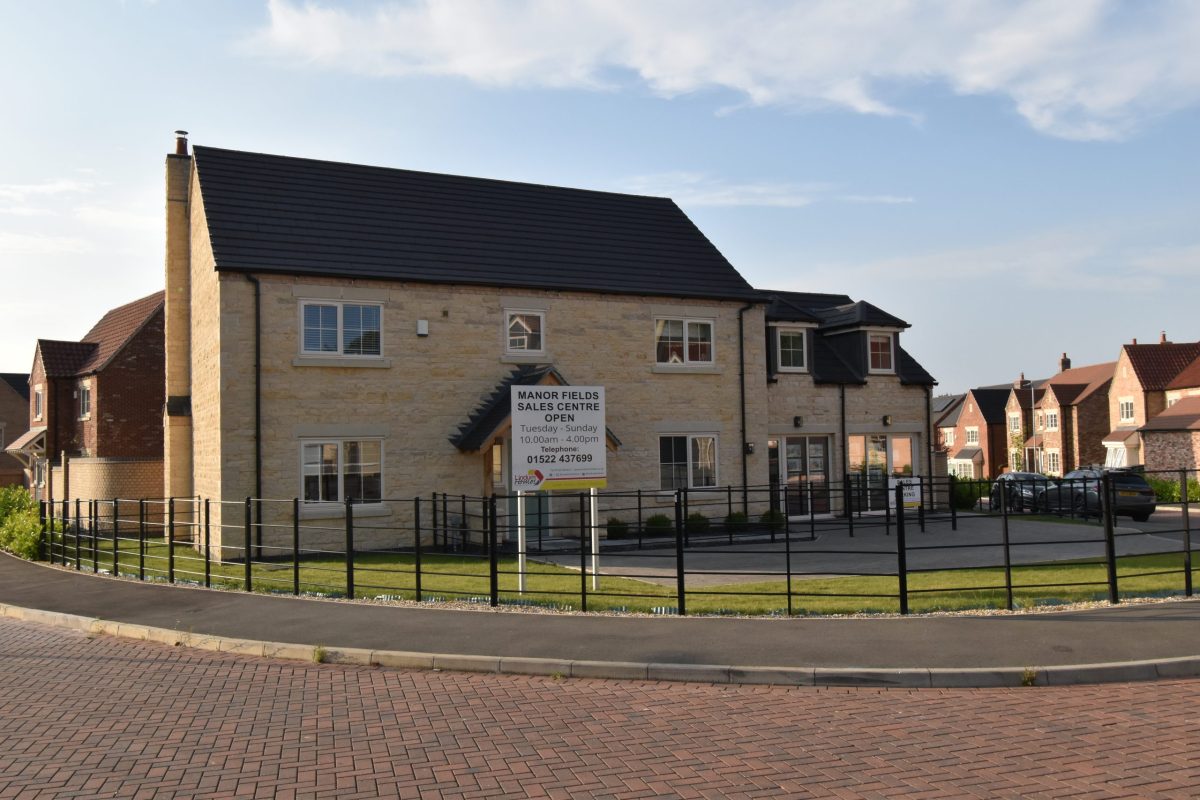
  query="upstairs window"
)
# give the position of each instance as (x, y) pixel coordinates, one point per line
(1051, 420)
(341, 329)
(948, 437)
(683, 341)
(880, 347)
(38, 406)
(790, 346)
(524, 330)
(972, 435)
(85, 401)
(1014, 423)
(1126, 408)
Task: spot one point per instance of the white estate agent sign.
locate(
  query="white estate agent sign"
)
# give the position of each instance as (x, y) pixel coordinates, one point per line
(558, 438)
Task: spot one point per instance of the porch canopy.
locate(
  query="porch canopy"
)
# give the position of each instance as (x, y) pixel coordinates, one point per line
(30, 447)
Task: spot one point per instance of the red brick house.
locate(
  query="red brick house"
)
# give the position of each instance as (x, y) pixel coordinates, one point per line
(1139, 393)
(14, 408)
(95, 409)
(1171, 439)
(1021, 423)
(1072, 417)
(976, 441)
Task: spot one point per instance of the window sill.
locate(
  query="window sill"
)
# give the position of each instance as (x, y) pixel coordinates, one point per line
(341, 361)
(338, 510)
(686, 369)
(791, 371)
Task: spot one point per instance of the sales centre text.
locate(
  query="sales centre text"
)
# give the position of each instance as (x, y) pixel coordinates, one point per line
(559, 406)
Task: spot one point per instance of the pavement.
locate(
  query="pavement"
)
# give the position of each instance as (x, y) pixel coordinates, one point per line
(1128, 642)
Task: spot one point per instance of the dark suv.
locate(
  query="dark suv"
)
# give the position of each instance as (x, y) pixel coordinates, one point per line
(1079, 493)
(1021, 489)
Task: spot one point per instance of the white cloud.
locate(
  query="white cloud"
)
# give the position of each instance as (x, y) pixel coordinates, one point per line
(20, 192)
(26, 244)
(1086, 69)
(697, 189)
(118, 218)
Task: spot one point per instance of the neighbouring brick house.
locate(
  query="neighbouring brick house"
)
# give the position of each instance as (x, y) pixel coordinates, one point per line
(977, 442)
(1072, 417)
(1171, 439)
(339, 331)
(1138, 393)
(945, 409)
(1022, 422)
(14, 414)
(95, 408)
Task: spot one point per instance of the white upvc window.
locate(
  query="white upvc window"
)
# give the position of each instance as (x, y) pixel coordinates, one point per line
(948, 437)
(524, 332)
(962, 468)
(1115, 457)
(1053, 465)
(683, 341)
(85, 401)
(333, 469)
(1125, 405)
(879, 350)
(1014, 423)
(39, 403)
(790, 349)
(1037, 417)
(972, 435)
(335, 328)
(1051, 420)
(687, 461)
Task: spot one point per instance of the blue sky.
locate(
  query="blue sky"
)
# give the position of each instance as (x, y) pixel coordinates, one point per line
(1014, 179)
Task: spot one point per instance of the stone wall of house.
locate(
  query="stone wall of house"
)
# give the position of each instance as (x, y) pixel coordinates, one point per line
(1171, 450)
(178, 333)
(424, 387)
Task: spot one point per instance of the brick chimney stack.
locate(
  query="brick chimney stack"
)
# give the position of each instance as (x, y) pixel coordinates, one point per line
(177, 416)
(1134, 340)
(1064, 363)
(1162, 338)
(1019, 382)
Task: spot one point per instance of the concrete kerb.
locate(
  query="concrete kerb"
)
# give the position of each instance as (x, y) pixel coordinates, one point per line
(939, 678)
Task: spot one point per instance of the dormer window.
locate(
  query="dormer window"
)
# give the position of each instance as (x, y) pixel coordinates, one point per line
(38, 406)
(790, 347)
(880, 350)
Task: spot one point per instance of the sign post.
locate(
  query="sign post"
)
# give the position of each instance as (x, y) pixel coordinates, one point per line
(559, 441)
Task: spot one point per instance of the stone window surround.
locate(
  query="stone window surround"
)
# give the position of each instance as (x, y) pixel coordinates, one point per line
(509, 313)
(360, 295)
(687, 365)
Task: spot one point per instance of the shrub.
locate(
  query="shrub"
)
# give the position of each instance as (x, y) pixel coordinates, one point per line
(1167, 490)
(659, 523)
(772, 518)
(617, 528)
(14, 499)
(696, 523)
(20, 534)
(967, 494)
(737, 522)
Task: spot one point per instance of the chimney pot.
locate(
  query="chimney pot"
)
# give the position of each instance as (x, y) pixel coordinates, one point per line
(181, 144)
(1064, 363)
(1135, 340)
(1162, 338)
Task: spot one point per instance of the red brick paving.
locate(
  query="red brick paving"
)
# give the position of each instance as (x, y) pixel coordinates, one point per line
(104, 717)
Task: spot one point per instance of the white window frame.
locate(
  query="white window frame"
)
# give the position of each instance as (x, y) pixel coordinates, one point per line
(340, 305)
(1053, 463)
(691, 465)
(972, 435)
(948, 437)
(962, 468)
(1014, 423)
(687, 359)
(509, 313)
(891, 340)
(1122, 403)
(39, 403)
(341, 442)
(85, 394)
(803, 333)
(1052, 420)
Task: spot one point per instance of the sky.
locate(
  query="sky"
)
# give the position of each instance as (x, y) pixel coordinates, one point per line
(1014, 179)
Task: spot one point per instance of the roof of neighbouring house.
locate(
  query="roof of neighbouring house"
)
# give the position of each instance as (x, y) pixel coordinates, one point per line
(991, 403)
(1184, 415)
(102, 343)
(299, 216)
(1157, 365)
(1072, 386)
(942, 402)
(19, 381)
(1188, 378)
(950, 412)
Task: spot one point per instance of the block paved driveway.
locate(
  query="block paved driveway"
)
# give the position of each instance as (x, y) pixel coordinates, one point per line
(89, 717)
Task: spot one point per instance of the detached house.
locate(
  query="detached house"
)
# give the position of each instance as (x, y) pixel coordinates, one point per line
(14, 414)
(1171, 440)
(1024, 425)
(340, 332)
(94, 413)
(975, 434)
(1073, 416)
(1139, 389)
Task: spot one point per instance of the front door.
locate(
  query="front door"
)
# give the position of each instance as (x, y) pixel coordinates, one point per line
(807, 462)
(872, 459)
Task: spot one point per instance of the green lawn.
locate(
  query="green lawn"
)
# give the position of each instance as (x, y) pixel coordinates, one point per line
(454, 577)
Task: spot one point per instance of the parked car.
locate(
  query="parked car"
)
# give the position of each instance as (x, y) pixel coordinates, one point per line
(1079, 493)
(1021, 489)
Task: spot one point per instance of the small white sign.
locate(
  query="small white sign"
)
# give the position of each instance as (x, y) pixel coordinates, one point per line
(912, 491)
(558, 438)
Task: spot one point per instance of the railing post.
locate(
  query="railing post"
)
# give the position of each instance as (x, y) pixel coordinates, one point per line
(493, 558)
(812, 513)
(141, 540)
(349, 549)
(901, 550)
(246, 544)
(207, 544)
(921, 507)
(787, 566)
(1110, 543)
(773, 505)
(433, 502)
(847, 493)
(78, 533)
(93, 523)
(42, 536)
(639, 518)
(417, 539)
(952, 483)
(170, 540)
(1008, 584)
(296, 545)
(680, 580)
(1187, 534)
(116, 570)
(687, 539)
(583, 542)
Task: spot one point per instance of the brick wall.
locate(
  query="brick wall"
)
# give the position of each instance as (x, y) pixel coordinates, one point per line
(127, 398)
(1165, 450)
(14, 420)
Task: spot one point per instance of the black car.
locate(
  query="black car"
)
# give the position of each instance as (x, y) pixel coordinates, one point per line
(1020, 489)
(1079, 493)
